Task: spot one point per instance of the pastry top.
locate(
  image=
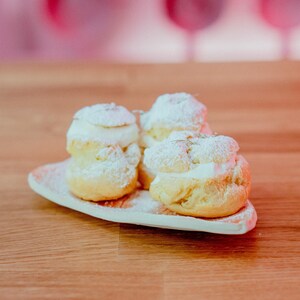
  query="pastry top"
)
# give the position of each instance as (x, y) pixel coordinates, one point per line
(184, 151)
(107, 124)
(105, 115)
(179, 110)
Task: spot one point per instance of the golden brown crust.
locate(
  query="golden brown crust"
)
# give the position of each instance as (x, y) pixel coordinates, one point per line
(210, 198)
(100, 188)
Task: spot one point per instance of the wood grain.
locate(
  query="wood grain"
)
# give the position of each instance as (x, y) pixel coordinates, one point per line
(50, 252)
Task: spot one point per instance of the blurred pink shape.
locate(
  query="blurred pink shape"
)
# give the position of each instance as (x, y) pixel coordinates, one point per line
(193, 15)
(138, 30)
(56, 28)
(75, 27)
(79, 15)
(283, 15)
(15, 32)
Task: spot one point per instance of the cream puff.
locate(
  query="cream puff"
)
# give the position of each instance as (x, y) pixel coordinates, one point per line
(169, 113)
(172, 112)
(200, 176)
(102, 141)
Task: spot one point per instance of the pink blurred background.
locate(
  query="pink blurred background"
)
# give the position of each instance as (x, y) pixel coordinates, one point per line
(149, 30)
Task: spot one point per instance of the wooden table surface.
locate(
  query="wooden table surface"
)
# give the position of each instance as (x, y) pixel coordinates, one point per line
(50, 252)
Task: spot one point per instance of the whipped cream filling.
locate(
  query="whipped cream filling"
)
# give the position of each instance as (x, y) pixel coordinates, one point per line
(122, 135)
(201, 171)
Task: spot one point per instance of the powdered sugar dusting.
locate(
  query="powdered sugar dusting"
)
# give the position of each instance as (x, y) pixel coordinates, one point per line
(179, 110)
(144, 202)
(184, 149)
(168, 156)
(106, 115)
(216, 149)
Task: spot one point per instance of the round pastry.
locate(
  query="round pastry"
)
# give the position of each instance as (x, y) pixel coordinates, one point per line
(169, 113)
(172, 112)
(199, 176)
(102, 142)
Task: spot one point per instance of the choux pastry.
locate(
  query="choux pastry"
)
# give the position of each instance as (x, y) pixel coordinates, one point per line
(102, 141)
(169, 113)
(200, 176)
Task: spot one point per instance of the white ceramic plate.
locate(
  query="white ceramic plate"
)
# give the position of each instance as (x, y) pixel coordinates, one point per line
(138, 208)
